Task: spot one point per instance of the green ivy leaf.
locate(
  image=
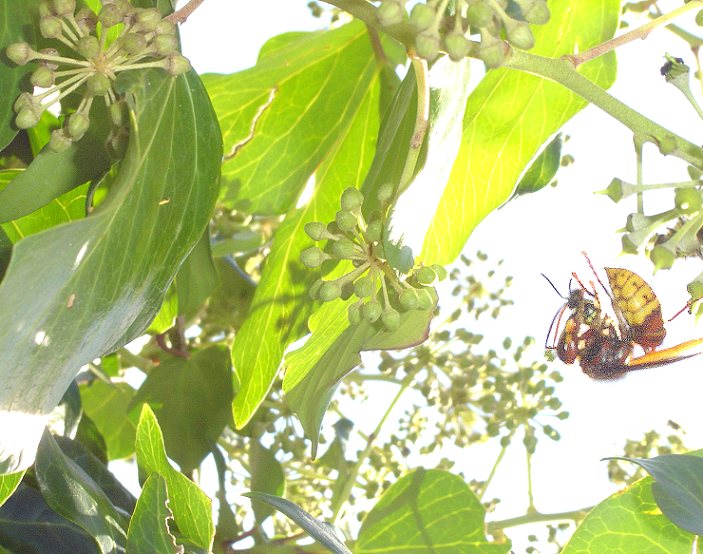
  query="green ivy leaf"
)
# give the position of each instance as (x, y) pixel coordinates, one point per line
(281, 118)
(101, 280)
(192, 510)
(108, 406)
(17, 26)
(677, 488)
(315, 370)
(281, 304)
(197, 278)
(148, 528)
(629, 521)
(320, 531)
(192, 400)
(542, 170)
(8, 484)
(427, 511)
(505, 123)
(73, 494)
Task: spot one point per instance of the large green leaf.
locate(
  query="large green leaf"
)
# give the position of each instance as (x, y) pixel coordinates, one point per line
(509, 116)
(266, 476)
(315, 370)
(677, 488)
(281, 118)
(629, 521)
(192, 400)
(17, 26)
(148, 528)
(321, 531)
(427, 511)
(73, 494)
(192, 510)
(282, 304)
(83, 289)
(27, 524)
(107, 405)
(197, 278)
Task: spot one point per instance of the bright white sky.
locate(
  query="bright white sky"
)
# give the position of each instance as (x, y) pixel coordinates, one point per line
(545, 233)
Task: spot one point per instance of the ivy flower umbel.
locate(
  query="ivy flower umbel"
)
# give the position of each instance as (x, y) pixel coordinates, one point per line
(85, 61)
(381, 294)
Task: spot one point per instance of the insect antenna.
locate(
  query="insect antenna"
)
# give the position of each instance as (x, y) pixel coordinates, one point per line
(553, 286)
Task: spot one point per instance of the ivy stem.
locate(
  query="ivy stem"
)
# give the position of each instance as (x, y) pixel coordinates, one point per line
(639, 33)
(421, 121)
(639, 143)
(354, 472)
(574, 515)
(181, 15)
(530, 496)
(561, 71)
(494, 469)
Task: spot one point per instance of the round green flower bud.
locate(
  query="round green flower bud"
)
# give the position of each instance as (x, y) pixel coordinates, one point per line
(313, 257)
(329, 291)
(111, 14)
(64, 7)
(424, 299)
(427, 45)
(479, 14)
(117, 113)
(315, 289)
(699, 18)
(50, 26)
(78, 124)
(373, 231)
(351, 199)
(133, 43)
(440, 271)
(662, 257)
(390, 318)
(422, 17)
(86, 20)
(59, 142)
(98, 84)
(385, 193)
(354, 314)
(426, 275)
(316, 230)
(344, 248)
(493, 53)
(164, 44)
(42, 77)
(536, 12)
(20, 53)
(408, 299)
(519, 35)
(27, 118)
(346, 221)
(689, 200)
(457, 46)
(88, 46)
(26, 101)
(177, 64)
(363, 287)
(46, 8)
(371, 311)
(389, 13)
(165, 27)
(379, 251)
(148, 19)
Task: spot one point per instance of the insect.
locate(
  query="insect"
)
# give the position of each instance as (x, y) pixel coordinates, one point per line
(603, 347)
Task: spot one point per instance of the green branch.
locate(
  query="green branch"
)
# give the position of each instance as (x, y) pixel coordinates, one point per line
(537, 517)
(561, 71)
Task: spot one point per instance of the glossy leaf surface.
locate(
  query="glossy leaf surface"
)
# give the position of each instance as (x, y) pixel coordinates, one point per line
(148, 528)
(104, 276)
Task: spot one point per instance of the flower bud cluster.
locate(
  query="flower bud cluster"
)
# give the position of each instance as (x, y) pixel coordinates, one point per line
(82, 60)
(382, 296)
(439, 25)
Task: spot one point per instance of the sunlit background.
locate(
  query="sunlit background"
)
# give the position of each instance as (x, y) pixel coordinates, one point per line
(543, 233)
